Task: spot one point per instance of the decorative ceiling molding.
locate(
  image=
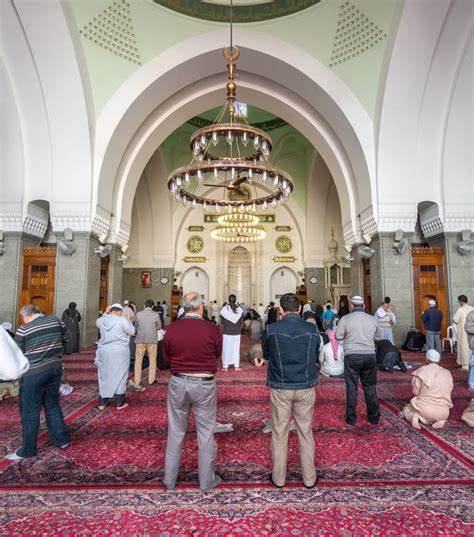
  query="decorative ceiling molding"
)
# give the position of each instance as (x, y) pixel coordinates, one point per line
(388, 222)
(355, 34)
(458, 221)
(255, 12)
(11, 221)
(113, 31)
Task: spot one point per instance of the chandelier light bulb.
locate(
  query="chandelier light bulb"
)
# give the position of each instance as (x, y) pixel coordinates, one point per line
(215, 138)
(284, 184)
(230, 137)
(275, 180)
(199, 177)
(216, 173)
(265, 205)
(232, 173)
(274, 203)
(245, 138)
(196, 148)
(178, 181)
(186, 178)
(194, 204)
(241, 208)
(203, 141)
(184, 200)
(256, 142)
(204, 205)
(264, 176)
(254, 207)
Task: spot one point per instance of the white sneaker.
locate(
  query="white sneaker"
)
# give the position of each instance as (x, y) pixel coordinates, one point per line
(13, 457)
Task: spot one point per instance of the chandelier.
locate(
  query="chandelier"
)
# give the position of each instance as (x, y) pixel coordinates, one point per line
(227, 155)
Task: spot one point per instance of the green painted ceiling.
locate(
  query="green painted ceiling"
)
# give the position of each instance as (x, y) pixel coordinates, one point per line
(243, 10)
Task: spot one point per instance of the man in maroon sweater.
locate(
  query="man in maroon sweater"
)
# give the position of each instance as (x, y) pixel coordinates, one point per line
(192, 347)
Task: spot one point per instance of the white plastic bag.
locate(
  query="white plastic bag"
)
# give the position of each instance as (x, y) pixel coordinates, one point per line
(161, 334)
(13, 363)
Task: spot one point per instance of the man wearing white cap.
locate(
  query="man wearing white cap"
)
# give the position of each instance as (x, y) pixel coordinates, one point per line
(432, 319)
(432, 387)
(358, 330)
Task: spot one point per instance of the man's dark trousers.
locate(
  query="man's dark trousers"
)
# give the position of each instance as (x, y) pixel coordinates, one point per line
(365, 367)
(41, 389)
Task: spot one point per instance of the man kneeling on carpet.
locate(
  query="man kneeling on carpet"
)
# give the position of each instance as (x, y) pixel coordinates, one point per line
(192, 347)
(432, 387)
(291, 347)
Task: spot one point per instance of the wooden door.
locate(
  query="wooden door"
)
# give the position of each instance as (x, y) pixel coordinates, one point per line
(37, 278)
(104, 283)
(176, 296)
(429, 283)
(366, 285)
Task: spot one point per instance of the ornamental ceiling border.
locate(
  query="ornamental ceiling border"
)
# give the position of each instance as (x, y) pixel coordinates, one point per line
(241, 13)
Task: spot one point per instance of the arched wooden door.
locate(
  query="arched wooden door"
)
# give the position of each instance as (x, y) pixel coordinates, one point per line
(429, 282)
(37, 278)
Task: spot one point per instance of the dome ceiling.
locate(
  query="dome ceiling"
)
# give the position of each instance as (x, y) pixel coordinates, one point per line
(244, 10)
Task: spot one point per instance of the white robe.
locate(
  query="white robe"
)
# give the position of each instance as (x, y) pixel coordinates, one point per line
(464, 352)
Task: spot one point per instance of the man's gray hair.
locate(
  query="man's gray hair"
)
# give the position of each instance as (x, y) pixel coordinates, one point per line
(191, 301)
(29, 310)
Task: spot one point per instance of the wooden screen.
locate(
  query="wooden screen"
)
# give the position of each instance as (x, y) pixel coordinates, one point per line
(366, 285)
(104, 283)
(429, 282)
(37, 278)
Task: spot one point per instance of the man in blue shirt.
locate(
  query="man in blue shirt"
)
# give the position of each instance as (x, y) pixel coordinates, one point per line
(291, 347)
(432, 319)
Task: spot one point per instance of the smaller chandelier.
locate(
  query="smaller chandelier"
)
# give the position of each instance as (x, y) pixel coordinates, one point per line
(238, 220)
(238, 234)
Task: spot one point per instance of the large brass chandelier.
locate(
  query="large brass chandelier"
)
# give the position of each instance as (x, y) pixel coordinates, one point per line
(226, 155)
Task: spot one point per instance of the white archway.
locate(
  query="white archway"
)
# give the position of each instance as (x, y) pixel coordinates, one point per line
(196, 279)
(180, 83)
(283, 280)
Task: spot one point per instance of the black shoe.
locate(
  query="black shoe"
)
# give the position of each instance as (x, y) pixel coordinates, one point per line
(270, 477)
(313, 485)
(349, 422)
(375, 422)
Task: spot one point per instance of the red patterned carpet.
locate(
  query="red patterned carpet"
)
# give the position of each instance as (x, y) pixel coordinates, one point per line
(387, 480)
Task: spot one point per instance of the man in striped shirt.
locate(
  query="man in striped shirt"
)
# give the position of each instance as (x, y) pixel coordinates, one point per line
(41, 340)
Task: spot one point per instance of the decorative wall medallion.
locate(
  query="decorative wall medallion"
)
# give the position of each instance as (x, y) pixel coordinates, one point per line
(194, 259)
(164, 280)
(283, 244)
(195, 244)
(313, 280)
(283, 259)
(235, 196)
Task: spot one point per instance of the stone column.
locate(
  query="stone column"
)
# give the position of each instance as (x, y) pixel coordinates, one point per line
(357, 273)
(315, 291)
(10, 263)
(78, 280)
(115, 276)
(392, 275)
(459, 272)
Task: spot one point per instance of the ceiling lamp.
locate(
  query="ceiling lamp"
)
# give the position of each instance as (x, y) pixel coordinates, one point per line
(228, 154)
(236, 234)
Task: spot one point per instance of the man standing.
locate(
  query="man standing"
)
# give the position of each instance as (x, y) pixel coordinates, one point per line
(464, 352)
(358, 330)
(165, 312)
(469, 328)
(291, 347)
(192, 347)
(128, 312)
(41, 340)
(432, 319)
(147, 324)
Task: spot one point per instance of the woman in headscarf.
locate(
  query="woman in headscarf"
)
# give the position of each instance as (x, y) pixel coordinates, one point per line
(331, 357)
(232, 319)
(71, 318)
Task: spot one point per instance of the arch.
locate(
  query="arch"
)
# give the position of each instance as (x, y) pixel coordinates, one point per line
(281, 282)
(183, 83)
(196, 279)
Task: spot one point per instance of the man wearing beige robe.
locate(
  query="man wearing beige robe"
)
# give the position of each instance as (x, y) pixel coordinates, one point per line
(464, 352)
(432, 387)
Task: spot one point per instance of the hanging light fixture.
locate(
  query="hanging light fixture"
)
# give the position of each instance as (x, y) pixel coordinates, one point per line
(230, 153)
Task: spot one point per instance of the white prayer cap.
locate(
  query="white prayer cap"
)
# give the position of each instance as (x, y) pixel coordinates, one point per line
(7, 326)
(125, 302)
(357, 300)
(433, 355)
(432, 303)
(116, 306)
